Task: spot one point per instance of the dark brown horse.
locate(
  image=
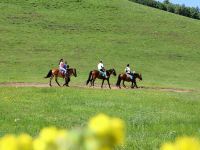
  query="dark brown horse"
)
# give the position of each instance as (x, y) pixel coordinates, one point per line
(96, 74)
(124, 77)
(56, 73)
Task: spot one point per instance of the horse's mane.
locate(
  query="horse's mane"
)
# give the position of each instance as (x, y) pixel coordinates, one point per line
(110, 69)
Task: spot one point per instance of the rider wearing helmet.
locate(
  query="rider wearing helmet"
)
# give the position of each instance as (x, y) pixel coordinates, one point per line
(101, 69)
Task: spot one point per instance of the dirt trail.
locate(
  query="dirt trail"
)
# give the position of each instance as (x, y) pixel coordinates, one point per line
(35, 84)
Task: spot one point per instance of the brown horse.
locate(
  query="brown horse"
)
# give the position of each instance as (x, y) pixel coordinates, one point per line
(96, 74)
(56, 73)
(123, 77)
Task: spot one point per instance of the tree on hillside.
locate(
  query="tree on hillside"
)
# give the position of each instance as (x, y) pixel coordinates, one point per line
(177, 9)
(194, 13)
(166, 2)
(170, 7)
(173, 8)
(161, 6)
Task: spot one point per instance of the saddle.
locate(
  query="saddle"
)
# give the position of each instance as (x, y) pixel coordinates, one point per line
(62, 73)
(129, 76)
(102, 74)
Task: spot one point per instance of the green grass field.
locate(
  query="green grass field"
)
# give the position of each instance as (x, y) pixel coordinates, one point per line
(164, 47)
(35, 35)
(152, 117)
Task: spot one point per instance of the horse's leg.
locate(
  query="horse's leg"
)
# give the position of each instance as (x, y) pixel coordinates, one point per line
(93, 81)
(50, 80)
(135, 84)
(102, 83)
(56, 79)
(65, 84)
(124, 84)
(132, 86)
(120, 84)
(108, 83)
(67, 81)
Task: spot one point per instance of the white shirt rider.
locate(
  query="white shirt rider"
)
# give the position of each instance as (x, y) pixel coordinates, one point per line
(100, 66)
(128, 70)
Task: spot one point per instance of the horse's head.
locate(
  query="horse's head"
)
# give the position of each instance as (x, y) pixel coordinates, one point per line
(140, 76)
(114, 72)
(74, 72)
(111, 71)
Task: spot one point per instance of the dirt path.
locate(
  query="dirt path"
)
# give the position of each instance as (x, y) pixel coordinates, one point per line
(35, 84)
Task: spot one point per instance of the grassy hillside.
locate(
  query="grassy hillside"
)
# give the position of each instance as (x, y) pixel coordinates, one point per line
(165, 47)
(34, 35)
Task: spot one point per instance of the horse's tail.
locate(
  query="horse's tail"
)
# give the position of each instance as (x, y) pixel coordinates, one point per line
(118, 80)
(49, 74)
(90, 74)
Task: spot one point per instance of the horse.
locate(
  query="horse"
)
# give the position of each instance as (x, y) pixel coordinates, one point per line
(96, 74)
(124, 77)
(56, 73)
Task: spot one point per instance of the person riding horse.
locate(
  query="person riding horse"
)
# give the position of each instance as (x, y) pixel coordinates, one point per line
(63, 67)
(102, 69)
(129, 72)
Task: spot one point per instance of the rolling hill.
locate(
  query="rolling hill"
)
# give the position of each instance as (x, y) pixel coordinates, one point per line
(164, 47)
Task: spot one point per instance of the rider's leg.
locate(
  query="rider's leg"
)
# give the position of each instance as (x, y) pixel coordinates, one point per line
(131, 76)
(63, 70)
(105, 74)
(102, 72)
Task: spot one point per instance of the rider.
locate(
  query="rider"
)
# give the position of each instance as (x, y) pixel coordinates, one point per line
(66, 67)
(102, 69)
(62, 67)
(129, 72)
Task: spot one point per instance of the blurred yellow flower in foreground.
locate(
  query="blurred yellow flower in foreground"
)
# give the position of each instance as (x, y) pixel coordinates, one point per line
(100, 124)
(118, 129)
(184, 143)
(49, 134)
(107, 131)
(25, 142)
(8, 142)
(102, 133)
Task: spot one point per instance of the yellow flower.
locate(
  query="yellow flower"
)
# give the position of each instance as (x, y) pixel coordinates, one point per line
(168, 146)
(187, 143)
(105, 148)
(38, 144)
(25, 142)
(184, 143)
(9, 142)
(51, 139)
(107, 131)
(100, 125)
(49, 134)
(118, 130)
(62, 140)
